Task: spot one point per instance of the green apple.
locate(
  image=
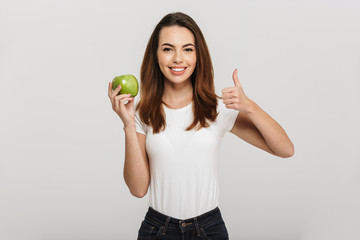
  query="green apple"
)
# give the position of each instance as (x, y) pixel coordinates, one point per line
(129, 84)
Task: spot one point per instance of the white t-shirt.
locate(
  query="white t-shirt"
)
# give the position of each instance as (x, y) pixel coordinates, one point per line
(184, 164)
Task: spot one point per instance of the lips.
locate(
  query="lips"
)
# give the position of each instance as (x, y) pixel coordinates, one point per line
(177, 70)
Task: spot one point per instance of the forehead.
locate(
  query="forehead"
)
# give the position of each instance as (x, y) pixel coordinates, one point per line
(176, 35)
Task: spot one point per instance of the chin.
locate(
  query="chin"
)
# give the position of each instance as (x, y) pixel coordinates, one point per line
(177, 80)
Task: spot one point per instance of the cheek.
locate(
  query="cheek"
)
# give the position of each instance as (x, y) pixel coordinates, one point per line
(192, 60)
(162, 59)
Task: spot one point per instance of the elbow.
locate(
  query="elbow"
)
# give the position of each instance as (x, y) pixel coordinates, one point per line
(289, 153)
(137, 187)
(137, 190)
(139, 195)
(285, 152)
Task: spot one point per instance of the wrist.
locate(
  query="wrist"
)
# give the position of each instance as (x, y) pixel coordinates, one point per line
(129, 127)
(250, 107)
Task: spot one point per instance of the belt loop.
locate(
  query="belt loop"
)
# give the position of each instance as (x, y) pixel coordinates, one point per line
(197, 226)
(166, 225)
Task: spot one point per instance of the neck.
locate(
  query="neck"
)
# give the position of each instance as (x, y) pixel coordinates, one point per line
(177, 95)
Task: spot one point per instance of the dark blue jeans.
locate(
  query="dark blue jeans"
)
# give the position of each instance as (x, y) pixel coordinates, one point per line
(207, 226)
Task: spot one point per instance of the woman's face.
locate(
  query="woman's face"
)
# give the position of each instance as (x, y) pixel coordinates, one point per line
(176, 53)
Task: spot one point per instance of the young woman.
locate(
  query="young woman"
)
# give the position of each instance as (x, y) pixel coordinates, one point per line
(173, 136)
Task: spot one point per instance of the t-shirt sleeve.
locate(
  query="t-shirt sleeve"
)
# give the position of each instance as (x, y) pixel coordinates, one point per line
(139, 125)
(227, 116)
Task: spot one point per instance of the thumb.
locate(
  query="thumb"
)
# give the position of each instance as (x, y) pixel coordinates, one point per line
(236, 78)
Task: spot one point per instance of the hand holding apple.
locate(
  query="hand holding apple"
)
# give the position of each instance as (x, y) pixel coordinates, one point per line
(121, 93)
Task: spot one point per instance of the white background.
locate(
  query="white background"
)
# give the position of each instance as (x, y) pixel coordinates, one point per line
(62, 146)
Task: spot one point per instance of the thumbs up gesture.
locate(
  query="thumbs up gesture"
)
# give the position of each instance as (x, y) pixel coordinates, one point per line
(234, 97)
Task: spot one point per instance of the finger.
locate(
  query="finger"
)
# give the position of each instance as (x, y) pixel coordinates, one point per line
(236, 78)
(227, 101)
(116, 91)
(231, 101)
(117, 99)
(230, 95)
(121, 96)
(131, 103)
(228, 90)
(109, 89)
(120, 103)
(128, 99)
(115, 103)
(232, 106)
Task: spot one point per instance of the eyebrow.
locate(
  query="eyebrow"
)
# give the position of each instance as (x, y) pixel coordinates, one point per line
(168, 44)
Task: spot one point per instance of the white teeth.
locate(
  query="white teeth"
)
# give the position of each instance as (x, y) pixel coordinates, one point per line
(178, 69)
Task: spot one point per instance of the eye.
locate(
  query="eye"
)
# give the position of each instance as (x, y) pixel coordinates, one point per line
(188, 50)
(167, 49)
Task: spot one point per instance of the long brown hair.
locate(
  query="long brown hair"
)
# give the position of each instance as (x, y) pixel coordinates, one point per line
(205, 102)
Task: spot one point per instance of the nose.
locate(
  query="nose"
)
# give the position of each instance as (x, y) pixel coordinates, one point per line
(177, 58)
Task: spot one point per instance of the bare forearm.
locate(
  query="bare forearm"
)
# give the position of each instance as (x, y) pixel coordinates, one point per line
(136, 168)
(274, 135)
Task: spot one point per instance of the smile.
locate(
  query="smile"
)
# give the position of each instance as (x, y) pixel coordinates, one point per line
(177, 70)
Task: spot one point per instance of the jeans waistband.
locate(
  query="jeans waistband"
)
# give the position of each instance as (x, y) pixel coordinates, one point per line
(184, 224)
